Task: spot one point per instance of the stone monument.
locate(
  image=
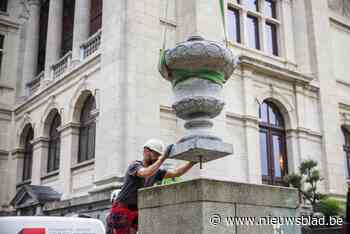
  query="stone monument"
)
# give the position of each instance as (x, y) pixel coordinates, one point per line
(198, 69)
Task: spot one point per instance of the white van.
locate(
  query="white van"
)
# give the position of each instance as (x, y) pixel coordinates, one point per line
(50, 225)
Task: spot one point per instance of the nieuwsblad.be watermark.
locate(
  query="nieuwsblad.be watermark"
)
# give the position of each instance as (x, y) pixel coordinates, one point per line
(217, 219)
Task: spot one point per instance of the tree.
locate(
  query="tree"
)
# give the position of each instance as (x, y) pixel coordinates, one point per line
(306, 181)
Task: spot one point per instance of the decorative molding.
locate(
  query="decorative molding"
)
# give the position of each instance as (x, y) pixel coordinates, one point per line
(260, 66)
(83, 164)
(4, 154)
(50, 175)
(17, 151)
(39, 140)
(68, 126)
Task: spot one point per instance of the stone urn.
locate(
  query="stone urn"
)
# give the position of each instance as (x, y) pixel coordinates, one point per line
(197, 70)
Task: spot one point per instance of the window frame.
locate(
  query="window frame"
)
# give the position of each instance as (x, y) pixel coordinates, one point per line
(274, 38)
(262, 21)
(4, 6)
(28, 155)
(274, 130)
(237, 15)
(95, 18)
(54, 156)
(86, 127)
(257, 31)
(346, 148)
(2, 53)
(67, 32)
(42, 40)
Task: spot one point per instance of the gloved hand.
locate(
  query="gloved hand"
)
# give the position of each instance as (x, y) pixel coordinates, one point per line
(168, 150)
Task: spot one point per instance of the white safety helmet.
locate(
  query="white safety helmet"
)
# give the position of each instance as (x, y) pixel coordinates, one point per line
(155, 145)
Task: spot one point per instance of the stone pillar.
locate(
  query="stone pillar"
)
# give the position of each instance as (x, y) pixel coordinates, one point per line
(251, 129)
(120, 134)
(31, 43)
(17, 160)
(54, 35)
(286, 36)
(332, 153)
(193, 20)
(204, 206)
(69, 153)
(81, 27)
(4, 171)
(40, 153)
(300, 35)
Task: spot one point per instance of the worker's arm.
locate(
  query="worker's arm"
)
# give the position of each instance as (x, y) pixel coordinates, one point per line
(149, 171)
(179, 171)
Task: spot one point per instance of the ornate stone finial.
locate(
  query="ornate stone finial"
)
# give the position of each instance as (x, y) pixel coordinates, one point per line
(198, 69)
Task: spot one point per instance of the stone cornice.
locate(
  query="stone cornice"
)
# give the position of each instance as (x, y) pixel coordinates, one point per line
(4, 154)
(40, 140)
(271, 69)
(17, 151)
(7, 21)
(305, 132)
(246, 118)
(68, 126)
(4, 84)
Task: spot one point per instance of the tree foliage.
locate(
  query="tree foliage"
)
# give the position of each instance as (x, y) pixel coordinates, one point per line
(307, 181)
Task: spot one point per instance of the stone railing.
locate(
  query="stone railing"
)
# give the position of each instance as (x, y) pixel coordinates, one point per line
(34, 84)
(91, 45)
(62, 65)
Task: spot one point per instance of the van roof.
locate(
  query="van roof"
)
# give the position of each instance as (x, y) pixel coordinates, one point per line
(47, 218)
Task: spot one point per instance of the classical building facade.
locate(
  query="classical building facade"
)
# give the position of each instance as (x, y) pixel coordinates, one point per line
(80, 93)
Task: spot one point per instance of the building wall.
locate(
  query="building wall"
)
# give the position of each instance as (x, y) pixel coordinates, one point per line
(308, 83)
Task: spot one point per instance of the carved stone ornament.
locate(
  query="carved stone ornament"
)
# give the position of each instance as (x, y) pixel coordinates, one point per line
(198, 69)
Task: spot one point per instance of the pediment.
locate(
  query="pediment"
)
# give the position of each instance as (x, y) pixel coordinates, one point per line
(30, 195)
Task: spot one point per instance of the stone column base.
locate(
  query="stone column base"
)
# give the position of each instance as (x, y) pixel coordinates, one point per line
(203, 206)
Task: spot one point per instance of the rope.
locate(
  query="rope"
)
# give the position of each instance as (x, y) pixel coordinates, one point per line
(223, 16)
(178, 75)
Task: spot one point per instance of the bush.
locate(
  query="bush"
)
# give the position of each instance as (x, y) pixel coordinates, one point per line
(307, 181)
(331, 207)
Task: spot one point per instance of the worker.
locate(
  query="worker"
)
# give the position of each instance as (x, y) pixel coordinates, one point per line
(124, 213)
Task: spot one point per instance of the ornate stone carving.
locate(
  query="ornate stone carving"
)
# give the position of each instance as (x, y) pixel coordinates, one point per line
(197, 54)
(188, 108)
(198, 70)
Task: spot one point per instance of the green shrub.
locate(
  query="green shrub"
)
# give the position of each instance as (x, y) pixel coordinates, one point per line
(331, 207)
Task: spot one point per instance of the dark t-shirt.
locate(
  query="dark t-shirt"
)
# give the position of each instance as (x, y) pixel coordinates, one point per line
(132, 183)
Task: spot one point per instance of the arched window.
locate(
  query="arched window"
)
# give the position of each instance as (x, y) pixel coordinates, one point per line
(28, 154)
(87, 130)
(53, 160)
(346, 148)
(272, 144)
(95, 16)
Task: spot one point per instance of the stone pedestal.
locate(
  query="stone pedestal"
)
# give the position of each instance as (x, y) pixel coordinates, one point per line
(205, 206)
